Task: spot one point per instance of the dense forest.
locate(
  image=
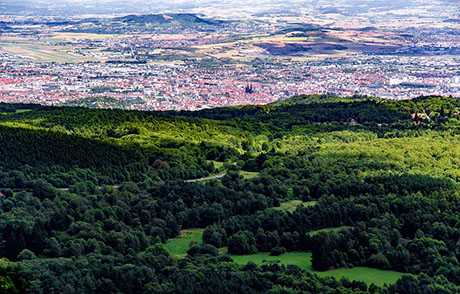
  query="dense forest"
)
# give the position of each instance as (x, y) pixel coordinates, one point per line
(90, 198)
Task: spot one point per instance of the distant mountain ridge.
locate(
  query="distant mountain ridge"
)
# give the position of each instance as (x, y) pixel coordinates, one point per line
(170, 23)
(167, 18)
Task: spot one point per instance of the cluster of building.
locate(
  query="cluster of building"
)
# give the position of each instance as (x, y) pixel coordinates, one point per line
(190, 86)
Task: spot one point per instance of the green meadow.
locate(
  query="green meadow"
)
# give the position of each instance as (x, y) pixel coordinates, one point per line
(217, 164)
(303, 260)
(292, 205)
(179, 246)
(249, 175)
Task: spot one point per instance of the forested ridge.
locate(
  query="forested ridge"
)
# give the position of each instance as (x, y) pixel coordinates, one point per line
(90, 197)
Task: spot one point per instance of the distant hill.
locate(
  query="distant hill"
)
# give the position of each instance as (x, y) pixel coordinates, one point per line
(180, 18)
(170, 23)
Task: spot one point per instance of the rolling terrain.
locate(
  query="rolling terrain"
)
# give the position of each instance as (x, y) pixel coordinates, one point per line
(320, 187)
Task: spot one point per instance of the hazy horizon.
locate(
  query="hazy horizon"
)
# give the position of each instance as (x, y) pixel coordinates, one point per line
(225, 7)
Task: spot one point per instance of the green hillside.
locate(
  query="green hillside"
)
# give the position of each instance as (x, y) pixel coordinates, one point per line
(94, 201)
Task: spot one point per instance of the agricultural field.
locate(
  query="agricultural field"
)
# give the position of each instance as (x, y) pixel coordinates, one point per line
(60, 47)
(40, 52)
(85, 36)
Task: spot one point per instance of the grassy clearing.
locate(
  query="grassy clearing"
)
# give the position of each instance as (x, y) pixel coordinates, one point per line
(17, 111)
(249, 175)
(303, 260)
(23, 110)
(217, 164)
(337, 229)
(364, 274)
(179, 246)
(292, 205)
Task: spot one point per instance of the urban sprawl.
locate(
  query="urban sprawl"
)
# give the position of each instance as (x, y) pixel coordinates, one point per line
(191, 69)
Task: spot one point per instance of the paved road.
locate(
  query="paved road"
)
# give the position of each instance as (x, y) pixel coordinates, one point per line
(207, 178)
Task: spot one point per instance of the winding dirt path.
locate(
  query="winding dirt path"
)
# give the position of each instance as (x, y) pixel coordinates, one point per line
(218, 176)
